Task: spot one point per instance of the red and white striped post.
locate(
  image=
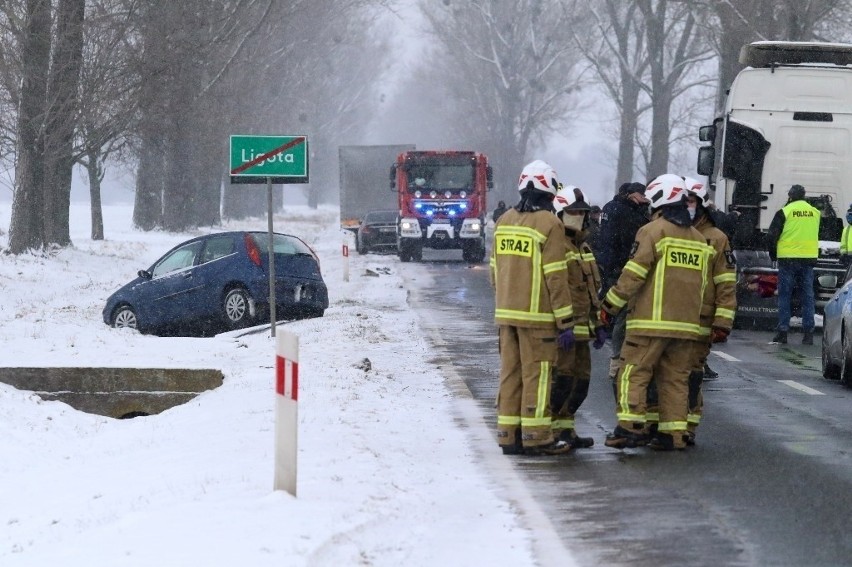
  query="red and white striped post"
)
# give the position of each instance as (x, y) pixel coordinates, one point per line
(345, 260)
(286, 410)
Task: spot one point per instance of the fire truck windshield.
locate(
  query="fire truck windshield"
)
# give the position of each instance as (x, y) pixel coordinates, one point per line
(440, 177)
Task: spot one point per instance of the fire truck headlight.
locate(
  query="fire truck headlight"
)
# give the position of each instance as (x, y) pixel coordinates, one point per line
(474, 226)
(407, 225)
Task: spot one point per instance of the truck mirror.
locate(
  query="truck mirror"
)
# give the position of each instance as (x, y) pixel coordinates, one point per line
(707, 133)
(489, 178)
(706, 159)
(393, 177)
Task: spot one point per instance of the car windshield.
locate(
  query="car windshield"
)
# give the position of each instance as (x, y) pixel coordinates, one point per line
(281, 244)
(381, 216)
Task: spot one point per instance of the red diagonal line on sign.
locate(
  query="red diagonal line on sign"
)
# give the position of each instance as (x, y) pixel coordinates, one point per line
(267, 155)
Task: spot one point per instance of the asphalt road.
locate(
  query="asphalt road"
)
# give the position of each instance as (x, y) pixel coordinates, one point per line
(769, 481)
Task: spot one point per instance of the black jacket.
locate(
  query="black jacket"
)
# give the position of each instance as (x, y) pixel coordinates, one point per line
(621, 219)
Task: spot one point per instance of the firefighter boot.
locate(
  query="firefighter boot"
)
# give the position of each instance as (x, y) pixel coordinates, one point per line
(622, 438)
(675, 441)
(780, 338)
(575, 440)
(709, 373)
(516, 448)
(555, 447)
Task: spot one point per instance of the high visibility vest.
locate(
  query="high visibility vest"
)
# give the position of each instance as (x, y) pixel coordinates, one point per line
(800, 237)
(846, 241)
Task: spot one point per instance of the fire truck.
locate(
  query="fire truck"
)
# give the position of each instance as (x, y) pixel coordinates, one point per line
(441, 197)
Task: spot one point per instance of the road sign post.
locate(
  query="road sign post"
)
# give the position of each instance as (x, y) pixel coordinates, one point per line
(269, 159)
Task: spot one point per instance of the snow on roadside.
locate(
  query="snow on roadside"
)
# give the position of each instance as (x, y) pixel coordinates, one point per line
(384, 476)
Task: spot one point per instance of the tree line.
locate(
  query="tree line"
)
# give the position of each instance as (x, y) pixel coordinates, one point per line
(158, 86)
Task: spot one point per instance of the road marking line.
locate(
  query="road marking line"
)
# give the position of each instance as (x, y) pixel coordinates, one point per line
(803, 388)
(726, 356)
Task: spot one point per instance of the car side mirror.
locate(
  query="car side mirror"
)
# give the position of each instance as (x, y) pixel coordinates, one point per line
(707, 133)
(489, 178)
(144, 274)
(393, 177)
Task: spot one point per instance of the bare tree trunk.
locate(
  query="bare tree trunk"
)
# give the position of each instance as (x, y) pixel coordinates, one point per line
(148, 202)
(62, 88)
(26, 230)
(96, 175)
(627, 131)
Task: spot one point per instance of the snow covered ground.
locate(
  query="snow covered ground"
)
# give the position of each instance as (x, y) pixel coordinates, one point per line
(387, 475)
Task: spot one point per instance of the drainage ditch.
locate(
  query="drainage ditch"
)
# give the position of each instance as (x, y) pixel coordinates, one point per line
(121, 393)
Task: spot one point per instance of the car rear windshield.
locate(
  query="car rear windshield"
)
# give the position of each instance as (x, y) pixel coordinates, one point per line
(381, 216)
(281, 244)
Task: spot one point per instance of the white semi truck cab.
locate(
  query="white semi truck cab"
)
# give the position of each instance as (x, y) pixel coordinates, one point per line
(787, 121)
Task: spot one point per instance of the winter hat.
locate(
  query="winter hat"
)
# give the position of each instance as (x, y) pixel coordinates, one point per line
(796, 192)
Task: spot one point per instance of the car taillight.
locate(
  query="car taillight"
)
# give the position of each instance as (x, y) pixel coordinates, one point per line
(366, 229)
(764, 285)
(252, 250)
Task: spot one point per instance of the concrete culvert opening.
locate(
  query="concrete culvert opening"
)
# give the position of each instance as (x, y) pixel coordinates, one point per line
(122, 393)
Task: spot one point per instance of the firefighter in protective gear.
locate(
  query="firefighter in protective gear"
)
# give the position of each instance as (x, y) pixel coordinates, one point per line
(574, 367)
(720, 297)
(533, 311)
(662, 287)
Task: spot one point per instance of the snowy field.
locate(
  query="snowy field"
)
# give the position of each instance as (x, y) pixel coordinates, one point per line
(386, 475)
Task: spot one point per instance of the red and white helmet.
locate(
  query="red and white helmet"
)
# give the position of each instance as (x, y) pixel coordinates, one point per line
(698, 189)
(541, 175)
(570, 197)
(667, 189)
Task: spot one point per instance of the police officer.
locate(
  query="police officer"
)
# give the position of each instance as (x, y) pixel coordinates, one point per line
(661, 287)
(533, 312)
(793, 238)
(574, 366)
(621, 218)
(720, 297)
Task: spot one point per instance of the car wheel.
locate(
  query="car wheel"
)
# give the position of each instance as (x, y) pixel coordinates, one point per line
(237, 307)
(829, 370)
(845, 363)
(125, 318)
(359, 248)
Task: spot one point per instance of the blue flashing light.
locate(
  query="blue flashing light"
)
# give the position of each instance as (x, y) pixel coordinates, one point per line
(418, 205)
(462, 206)
(430, 212)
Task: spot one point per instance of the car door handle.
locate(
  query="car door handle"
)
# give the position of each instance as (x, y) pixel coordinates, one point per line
(187, 275)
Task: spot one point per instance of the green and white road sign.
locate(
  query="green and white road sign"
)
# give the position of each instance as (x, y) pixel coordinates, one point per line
(257, 159)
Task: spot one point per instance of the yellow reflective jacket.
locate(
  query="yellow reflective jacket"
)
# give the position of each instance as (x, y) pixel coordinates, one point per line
(846, 241)
(663, 283)
(720, 296)
(800, 236)
(528, 271)
(585, 280)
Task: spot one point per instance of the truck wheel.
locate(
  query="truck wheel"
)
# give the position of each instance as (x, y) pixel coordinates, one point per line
(417, 252)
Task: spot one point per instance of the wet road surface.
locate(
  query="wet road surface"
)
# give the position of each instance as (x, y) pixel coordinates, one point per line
(768, 483)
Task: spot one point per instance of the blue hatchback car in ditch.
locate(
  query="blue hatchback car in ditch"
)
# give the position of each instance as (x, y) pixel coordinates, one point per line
(221, 281)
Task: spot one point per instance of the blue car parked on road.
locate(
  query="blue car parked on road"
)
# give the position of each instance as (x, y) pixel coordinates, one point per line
(221, 281)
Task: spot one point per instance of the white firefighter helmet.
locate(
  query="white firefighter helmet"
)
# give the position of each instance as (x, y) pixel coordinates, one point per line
(697, 188)
(571, 198)
(541, 176)
(667, 189)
